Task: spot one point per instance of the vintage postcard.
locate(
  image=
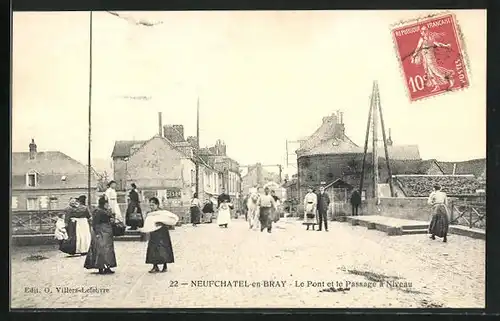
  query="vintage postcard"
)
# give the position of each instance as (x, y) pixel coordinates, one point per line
(248, 159)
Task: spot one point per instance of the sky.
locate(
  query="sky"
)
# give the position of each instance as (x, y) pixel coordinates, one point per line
(262, 77)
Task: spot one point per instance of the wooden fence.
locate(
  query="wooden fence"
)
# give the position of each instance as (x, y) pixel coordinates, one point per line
(467, 213)
(33, 222)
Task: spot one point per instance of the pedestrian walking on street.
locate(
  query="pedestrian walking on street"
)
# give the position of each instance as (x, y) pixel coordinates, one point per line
(439, 223)
(77, 227)
(101, 255)
(266, 207)
(208, 210)
(276, 211)
(224, 214)
(195, 210)
(253, 210)
(160, 250)
(322, 206)
(133, 215)
(112, 198)
(223, 197)
(355, 202)
(310, 208)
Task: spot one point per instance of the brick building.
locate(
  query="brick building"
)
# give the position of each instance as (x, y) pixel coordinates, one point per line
(47, 180)
(329, 154)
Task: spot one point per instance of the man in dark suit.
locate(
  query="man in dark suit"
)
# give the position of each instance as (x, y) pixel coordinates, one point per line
(355, 202)
(322, 206)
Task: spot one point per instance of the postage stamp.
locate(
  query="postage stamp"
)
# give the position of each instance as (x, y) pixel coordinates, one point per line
(431, 56)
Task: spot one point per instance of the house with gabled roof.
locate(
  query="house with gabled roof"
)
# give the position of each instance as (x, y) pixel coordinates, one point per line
(165, 167)
(47, 180)
(329, 154)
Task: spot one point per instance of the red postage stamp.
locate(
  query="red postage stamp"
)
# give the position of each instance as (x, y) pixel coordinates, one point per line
(431, 56)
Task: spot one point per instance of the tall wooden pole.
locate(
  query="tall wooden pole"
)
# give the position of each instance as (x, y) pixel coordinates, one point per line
(89, 196)
(197, 146)
(387, 160)
(375, 146)
(366, 144)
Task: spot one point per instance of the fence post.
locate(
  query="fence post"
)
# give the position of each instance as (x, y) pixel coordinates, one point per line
(451, 211)
(470, 215)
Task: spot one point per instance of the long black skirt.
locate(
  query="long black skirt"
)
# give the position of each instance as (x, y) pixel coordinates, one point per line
(439, 223)
(195, 215)
(160, 249)
(102, 250)
(68, 246)
(133, 219)
(265, 217)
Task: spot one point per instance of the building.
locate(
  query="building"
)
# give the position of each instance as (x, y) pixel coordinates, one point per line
(165, 167)
(257, 175)
(47, 180)
(329, 154)
(230, 178)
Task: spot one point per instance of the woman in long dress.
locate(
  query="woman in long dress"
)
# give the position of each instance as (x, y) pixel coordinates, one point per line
(134, 212)
(112, 199)
(208, 211)
(253, 210)
(224, 214)
(77, 227)
(439, 223)
(195, 210)
(101, 255)
(160, 249)
(310, 204)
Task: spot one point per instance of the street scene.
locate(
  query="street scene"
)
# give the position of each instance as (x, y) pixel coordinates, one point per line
(248, 160)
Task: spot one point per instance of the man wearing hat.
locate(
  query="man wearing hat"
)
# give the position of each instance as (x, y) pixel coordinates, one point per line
(322, 205)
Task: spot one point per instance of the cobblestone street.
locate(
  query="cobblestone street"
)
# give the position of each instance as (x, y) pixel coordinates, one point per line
(429, 273)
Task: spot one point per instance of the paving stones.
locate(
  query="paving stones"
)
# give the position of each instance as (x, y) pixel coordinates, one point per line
(441, 274)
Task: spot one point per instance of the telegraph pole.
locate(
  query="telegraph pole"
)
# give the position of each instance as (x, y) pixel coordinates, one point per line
(375, 145)
(89, 196)
(197, 145)
(389, 171)
(366, 144)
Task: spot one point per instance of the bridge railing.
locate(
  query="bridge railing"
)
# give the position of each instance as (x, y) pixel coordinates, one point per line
(33, 222)
(468, 213)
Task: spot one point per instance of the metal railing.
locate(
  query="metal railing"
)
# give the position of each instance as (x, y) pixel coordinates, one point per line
(466, 213)
(33, 222)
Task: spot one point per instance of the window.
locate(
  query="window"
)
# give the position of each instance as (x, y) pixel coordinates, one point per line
(32, 179)
(44, 202)
(14, 202)
(32, 203)
(53, 203)
(363, 195)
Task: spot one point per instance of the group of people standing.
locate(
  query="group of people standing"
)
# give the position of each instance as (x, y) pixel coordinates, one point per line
(81, 232)
(261, 209)
(224, 207)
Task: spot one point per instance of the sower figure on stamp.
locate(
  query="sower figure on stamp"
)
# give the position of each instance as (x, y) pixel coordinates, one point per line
(355, 202)
(425, 54)
(322, 206)
(439, 222)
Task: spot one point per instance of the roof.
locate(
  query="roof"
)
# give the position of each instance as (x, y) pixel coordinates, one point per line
(411, 166)
(51, 166)
(331, 146)
(123, 148)
(338, 182)
(474, 167)
(422, 185)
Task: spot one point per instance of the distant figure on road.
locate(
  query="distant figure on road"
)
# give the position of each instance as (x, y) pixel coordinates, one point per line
(253, 210)
(208, 210)
(439, 222)
(113, 201)
(223, 197)
(323, 204)
(276, 211)
(266, 207)
(160, 249)
(195, 210)
(224, 214)
(101, 254)
(134, 212)
(310, 207)
(355, 202)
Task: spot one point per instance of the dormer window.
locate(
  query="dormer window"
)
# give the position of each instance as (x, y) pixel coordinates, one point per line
(63, 178)
(32, 179)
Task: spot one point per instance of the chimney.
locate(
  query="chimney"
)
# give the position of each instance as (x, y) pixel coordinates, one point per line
(32, 149)
(160, 126)
(454, 168)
